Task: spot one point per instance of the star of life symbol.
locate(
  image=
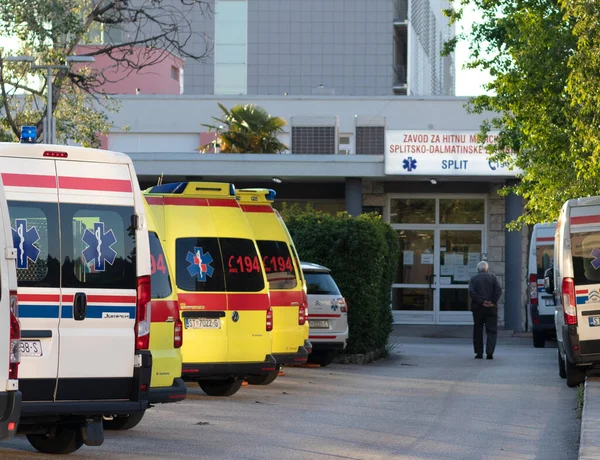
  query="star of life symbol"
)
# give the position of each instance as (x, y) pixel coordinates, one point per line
(24, 240)
(99, 247)
(199, 264)
(596, 255)
(334, 305)
(409, 164)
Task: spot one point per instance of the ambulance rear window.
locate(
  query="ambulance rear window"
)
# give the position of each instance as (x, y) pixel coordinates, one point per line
(217, 265)
(320, 284)
(160, 282)
(585, 248)
(35, 237)
(278, 264)
(544, 255)
(99, 247)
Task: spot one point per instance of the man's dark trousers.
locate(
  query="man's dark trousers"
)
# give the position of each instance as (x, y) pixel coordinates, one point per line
(488, 317)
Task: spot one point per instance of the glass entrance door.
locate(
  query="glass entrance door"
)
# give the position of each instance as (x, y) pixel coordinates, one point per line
(459, 253)
(441, 241)
(414, 293)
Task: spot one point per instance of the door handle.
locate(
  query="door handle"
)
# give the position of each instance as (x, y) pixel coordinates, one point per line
(431, 281)
(79, 306)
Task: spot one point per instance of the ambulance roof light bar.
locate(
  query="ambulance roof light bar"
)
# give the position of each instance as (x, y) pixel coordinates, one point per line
(28, 134)
(271, 195)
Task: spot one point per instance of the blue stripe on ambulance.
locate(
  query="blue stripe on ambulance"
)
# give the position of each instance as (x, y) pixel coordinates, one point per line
(51, 311)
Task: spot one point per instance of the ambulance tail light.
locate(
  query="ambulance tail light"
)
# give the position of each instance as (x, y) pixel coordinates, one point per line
(269, 322)
(533, 289)
(341, 302)
(178, 330)
(302, 314)
(569, 301)
(142, 318)
(53, 154)
(15, 337)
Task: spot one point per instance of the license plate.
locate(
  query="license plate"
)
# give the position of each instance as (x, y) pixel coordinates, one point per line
(202, 323)
(549, 303)
(319, 323)
(31, 348)
(594, 320)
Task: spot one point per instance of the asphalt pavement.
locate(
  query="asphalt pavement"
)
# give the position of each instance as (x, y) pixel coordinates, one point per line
(428, 400)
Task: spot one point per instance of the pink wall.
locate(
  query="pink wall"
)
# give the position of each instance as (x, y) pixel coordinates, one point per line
(155, 79)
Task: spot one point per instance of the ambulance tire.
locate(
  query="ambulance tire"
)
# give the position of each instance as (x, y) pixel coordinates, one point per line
(124, 422)
(65, 440)
(323, 359)
(575, 374)
(264, 379)
(562, 372)
(225, 387)
(539, 340)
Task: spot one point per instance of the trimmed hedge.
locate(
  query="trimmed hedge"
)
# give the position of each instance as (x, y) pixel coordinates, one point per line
(362, 254)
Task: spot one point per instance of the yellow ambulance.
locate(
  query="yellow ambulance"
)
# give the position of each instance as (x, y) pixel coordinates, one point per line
(220, 281)
(166, 334)
(286, 283)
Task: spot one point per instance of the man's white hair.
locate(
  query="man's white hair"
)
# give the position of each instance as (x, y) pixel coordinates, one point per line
(482, 266)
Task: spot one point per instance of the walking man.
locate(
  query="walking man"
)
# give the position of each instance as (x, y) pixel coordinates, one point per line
(485, 291)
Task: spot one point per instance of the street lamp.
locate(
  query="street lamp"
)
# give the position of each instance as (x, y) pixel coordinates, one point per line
(50, 125)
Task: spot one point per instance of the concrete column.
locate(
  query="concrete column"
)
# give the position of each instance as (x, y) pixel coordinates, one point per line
(354, 196)
(513, 305)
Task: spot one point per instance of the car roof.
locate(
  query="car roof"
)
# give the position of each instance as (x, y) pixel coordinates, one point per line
(310, 267)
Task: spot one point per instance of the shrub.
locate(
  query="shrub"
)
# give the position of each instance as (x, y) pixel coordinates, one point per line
(362, 254)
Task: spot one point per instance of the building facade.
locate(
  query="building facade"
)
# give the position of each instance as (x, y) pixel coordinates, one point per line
(416, 161)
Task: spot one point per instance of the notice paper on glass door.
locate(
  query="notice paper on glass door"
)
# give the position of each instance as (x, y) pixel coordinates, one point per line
(408, 257)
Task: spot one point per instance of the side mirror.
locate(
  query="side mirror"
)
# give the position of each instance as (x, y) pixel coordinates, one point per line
(549, 281)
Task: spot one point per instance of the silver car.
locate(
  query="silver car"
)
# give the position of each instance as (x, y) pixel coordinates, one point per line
(327, 314)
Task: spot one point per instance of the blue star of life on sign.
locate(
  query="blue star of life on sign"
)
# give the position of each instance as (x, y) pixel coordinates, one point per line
(99, 248)
(409, 164)
(24, 240)
(199, 264)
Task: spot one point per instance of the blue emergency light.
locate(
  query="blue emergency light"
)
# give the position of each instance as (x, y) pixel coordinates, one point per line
(232, 189)
(271, 195)
(28, 134)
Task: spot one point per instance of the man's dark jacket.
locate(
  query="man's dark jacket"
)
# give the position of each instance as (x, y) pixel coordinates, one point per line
(484, 286)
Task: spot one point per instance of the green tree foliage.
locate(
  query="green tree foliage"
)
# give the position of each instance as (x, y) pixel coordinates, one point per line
(147, 32)
(247, 128)
(543, 59)
(362, 254)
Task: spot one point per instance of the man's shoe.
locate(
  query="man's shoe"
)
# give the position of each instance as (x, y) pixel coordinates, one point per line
(478, 356)
(490, 356)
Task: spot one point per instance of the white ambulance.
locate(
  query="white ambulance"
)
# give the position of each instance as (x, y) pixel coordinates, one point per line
(575, 283)
(541, 305)
(10, 396)
(83, 273)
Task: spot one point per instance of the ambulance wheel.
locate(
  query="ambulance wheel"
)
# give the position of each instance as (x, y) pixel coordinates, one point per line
(226, 387)
(322, 359)
(264, 379)
(124, 422)
(575, 374)
(561, 367)
(539, 340)
(63, 440)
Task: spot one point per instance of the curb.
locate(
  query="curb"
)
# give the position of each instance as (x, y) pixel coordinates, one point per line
(583, 414)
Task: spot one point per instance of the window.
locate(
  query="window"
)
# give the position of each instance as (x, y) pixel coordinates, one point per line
(231, 43)
(98, 243)
(412, 211)
(314, 140)
(218, 265)
(278, 264)
(161, 284)
(544, 256)
(370, 140)
(585, 248)
(462, 211)
(320, 284)
(35, 237)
